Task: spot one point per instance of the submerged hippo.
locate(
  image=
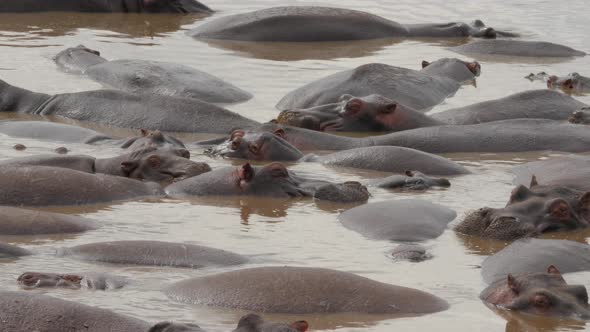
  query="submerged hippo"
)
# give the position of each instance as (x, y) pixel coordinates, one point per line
(95, 281)
(149, 164)
(410, 252)
(255, 323)
(533, 255)
(530, 212)
(571, 83)
(541, 293)
(398, 220)
(44, 130)
(10, 251)
(420, 90)
(313, 24)
(411, 180)
(303, 291)
(153, 253)
(144, 77)
(175, 327)
(15, 221)
(120, 109)
(572, 171)
(105, 6)
(54, 186)
(517, 48)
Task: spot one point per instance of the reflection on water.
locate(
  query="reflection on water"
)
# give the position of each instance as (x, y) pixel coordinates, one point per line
(518, 322)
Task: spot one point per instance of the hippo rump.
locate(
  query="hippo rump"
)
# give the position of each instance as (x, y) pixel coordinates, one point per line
(420, 90)
(153, 253)
(533, 256)
(16, 221)
(303, 291)
(255, 323)
(571, 171)
(94, 281)
(54, 186)
(120, 109)
(541, 293)
(315, 24)
(104, 6)
(398, 220)
(10, 251)
(516, 48)
(143, 77)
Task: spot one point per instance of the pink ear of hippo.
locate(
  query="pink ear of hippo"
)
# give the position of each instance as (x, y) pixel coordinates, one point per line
(300, 325)
(246, 172)
(553, 270)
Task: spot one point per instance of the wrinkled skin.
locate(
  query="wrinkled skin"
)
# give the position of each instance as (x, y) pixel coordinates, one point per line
(10, 251)
(16, 221)
(142, 77)
(571, 83)
(545, 294)
(517, 48)
(32, 280)
(124, 110)
(410, 252)
(256, 146)
(412, 180)
(104, 6)
(175, 327)
(313, 24)
(419, 90)
(530, 212)
(154, 253)
(302, 291)
(255, 323)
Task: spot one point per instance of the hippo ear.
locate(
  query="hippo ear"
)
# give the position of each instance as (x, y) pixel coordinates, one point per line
(518, 194)
(584, 206)
(127, 167)
(474, 67)
(534, 181)
(553, 270)
(246, 172)
(409, 173)
(154, 161)
(300, 325)
(425, 64)
(280, 132)
(512, 284)
(144, 132)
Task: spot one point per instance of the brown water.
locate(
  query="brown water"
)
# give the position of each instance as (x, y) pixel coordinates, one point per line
(298, 233)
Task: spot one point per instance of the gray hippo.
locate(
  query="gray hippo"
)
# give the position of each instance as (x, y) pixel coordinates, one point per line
(175, 327)
(105, 6)
(272, 180)
(530, 212)
(533, 255)
(144, 77)
(120, 109)
(95, 281)
(516, 48)
(420, 90)
(410, 252)
(571, 83)
(314, 24)
(581, 117)
(541, 293)
(10, 251)
(272, 146)
(255, 323)
(398, 220)
(153, 253)
(148, 164)
(45, 130)
(571, 171)
(303, 290)
(411, 180)
(16, 221)
(54, 186)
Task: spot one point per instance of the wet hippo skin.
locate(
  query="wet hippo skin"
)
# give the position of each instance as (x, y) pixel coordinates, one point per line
(104, 6)
(16, 221)
(10, 251)
(518, 48)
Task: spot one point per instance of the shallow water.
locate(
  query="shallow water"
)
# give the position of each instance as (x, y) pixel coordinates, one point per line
(301, 232)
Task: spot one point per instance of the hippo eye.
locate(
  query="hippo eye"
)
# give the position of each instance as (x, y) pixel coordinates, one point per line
(253, 148)
(541, 301)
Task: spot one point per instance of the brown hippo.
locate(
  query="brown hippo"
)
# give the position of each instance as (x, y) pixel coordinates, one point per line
(95, 281)
(516, 48)
(303, 290)
(255, 323)
(105, 6)
(16, 221)
(545, 294)
(10, 251)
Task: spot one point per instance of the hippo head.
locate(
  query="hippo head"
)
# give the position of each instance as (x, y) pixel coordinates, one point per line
(172, 6)
(580, 117)
(419, 181)
(459, 70)
(77, 59)
(175, 327)
(545, 294)
(347, 192)
(161, 165)
(370, 113)
(31, 280)
(571, 83)
(256, 146)
(530, 212)
(148, 138)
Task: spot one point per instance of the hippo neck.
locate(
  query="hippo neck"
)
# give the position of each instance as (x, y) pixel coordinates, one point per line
(110, 166)
(14, 99)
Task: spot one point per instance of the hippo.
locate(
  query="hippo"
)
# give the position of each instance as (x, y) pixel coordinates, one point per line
(95, 281)
(105, 6)
(411, 180)
(121, 109)
(149, 164)
(541, 293)
(321, 24)
(143, 77)
(517, 48)
(303, 290)
(44, 130)
(55, 186)
(571, 83)
(410, 252)
(398, 220)
(580, 117)
(531, 212)
(147, 138)
(175, 327)
(255, 323)
(420, 90)
(272, 146)
(534, 255)
(10, 251)
(272, 180)
(347, 192)
(571, 171)
(16, 221)
(153, 253)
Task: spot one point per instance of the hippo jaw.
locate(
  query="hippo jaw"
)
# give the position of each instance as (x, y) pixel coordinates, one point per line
(32, 280)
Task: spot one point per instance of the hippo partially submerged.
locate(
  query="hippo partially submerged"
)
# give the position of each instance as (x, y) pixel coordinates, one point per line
(542, 293)
(95, 281)
(45, 130)
(149, 77)
(572, 171)
(303, 291)
(570, 83)
(420, 90)
(255, 323)
(410, 252)
(105, 6)
(313, 24)
(516, 48)
(10, 251)
(16, 221)
(120, 109)
(411, 180)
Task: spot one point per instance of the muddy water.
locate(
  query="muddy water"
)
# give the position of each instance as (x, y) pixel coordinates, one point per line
(299, 232)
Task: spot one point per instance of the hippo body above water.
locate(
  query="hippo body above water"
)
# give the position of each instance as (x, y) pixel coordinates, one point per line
(516, 48)
(45, 130)
(313, 24)
(10, 251)
(15, 221)
(144, 77)
(571, 171)
(104, 6)
(94, 281)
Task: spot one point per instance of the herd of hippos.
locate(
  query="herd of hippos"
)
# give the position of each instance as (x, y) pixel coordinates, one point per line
(159, 97)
